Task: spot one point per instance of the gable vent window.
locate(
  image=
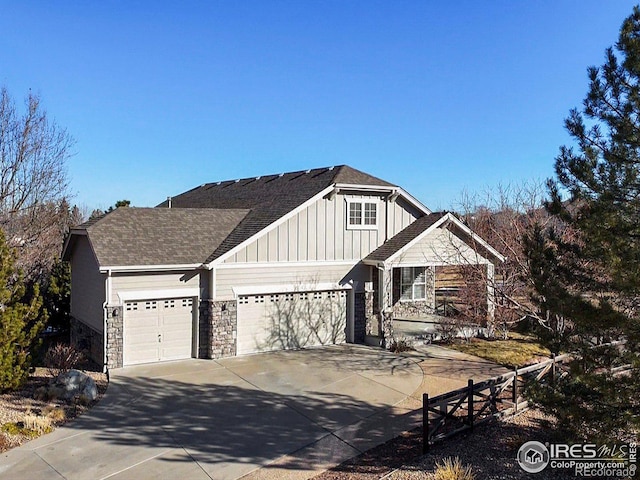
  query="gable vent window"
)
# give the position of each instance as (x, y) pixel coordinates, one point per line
(362, 215)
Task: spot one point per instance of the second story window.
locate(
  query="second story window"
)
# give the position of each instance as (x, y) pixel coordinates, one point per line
(362, 214)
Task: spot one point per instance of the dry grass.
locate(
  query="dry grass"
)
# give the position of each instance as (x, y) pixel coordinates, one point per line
(24, 414)
(453, 469)
(518, 351)
(56, 414)
(37, 423)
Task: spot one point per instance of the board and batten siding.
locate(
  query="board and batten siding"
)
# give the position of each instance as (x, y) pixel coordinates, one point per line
(150, 282)
(286, 275)
(440, 247)
(320, 233)
(87, 285)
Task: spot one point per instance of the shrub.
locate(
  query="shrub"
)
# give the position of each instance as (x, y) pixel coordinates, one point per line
(19, 428)
(399, 346)
(447, 328)
(56, 414)
(61, 358)
(452, 469)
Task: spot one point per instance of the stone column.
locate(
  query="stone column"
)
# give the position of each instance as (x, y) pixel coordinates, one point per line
(224, 328)
(115, 333)
(386, 310)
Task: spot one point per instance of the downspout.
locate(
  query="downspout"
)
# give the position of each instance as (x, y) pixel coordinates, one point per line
(386, 218)
(381, 302)
(212, 284)
(352, 311)
(105, 314)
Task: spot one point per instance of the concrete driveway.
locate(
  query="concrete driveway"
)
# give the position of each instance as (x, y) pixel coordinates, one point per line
(286, 414)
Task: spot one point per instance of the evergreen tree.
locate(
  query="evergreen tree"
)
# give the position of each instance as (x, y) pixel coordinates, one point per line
(21, 320)
(57, 296)
(586, 269)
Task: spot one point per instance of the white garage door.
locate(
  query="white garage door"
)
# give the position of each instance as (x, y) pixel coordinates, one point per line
(291, 320)
(157, 330)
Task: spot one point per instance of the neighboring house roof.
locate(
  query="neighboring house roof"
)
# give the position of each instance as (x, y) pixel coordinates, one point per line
(159, 236)
(422, 226)
(268, 198)
(392, 246)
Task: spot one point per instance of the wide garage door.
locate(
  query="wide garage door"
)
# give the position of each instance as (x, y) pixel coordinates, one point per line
(158, 330)
(291, 320)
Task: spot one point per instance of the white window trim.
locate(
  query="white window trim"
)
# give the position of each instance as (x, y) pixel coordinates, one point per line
(362, 202)
(413, 283)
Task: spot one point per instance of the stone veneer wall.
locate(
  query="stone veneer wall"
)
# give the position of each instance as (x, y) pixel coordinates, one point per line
(222, 323)
(360, 320)
(87, 340)
(417, 308)
(364, 321)
(204, 329)
(115, 334)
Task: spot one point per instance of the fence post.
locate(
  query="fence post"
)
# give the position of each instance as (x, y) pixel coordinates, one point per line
(553, 369)
(425, 423)
(515, 390)
(470, 404)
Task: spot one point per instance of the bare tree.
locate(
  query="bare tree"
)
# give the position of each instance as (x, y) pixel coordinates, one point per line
(502, 216)
(33, 182)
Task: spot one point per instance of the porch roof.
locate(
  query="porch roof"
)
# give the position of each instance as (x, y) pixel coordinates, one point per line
(404, 237)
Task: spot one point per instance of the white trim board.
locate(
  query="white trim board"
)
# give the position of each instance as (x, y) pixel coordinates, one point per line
(151, 268)
(127, 295)
(308, 287)
(315, 264)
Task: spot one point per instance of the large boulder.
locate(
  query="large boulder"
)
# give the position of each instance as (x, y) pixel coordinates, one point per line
(75, 384)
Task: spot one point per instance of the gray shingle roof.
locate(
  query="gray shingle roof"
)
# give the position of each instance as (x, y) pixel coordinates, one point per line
(268, 197)
(208, 221)
(160, 236)
(402, 238)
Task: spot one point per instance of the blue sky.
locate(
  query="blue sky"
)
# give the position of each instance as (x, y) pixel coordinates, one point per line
(438, 97)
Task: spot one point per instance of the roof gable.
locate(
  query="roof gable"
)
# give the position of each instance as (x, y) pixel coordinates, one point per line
(404, 239)
(268, 198)
(396, 243)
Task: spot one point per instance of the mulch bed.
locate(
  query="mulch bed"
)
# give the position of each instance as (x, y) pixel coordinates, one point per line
(490, 450)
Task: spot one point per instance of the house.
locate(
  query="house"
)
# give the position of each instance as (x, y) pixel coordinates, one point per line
(306, 258)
